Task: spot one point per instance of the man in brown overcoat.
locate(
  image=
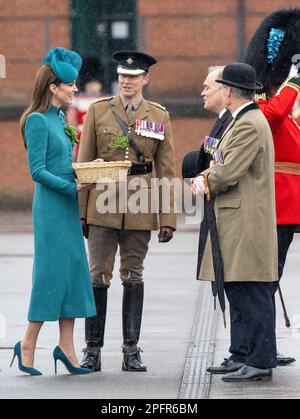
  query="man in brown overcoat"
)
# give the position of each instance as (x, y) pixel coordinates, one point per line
(242, 181)
(126, 226)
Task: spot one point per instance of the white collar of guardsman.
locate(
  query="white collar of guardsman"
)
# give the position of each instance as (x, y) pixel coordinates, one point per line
(135, 103)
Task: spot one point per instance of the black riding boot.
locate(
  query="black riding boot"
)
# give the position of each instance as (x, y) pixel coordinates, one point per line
(133, 296)
(94, 332)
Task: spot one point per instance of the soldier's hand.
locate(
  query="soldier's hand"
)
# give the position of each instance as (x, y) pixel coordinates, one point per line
(165, 234)
(85, 228)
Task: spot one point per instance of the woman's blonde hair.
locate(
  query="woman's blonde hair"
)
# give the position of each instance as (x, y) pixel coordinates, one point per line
(41, 100)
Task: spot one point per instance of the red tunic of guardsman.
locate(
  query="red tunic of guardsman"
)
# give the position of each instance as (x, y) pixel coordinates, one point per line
(296, 111)
(273, 51)
(286, 135)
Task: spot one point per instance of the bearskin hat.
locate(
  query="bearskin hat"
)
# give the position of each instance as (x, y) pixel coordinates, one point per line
(273, 45)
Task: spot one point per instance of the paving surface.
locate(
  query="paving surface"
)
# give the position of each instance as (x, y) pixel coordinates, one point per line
(170, 299)
(181, 334)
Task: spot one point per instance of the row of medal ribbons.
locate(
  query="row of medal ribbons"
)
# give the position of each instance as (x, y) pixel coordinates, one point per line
(150, 129)
(211, 146)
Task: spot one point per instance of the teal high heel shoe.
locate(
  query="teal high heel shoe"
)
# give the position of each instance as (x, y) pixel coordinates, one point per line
(58, 355)
(18, 354)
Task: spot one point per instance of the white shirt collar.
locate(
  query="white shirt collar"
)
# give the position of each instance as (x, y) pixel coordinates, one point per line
(237, 111)
(223, 111)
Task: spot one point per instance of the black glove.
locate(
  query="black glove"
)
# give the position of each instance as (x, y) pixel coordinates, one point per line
(165, 234)
(85, 228)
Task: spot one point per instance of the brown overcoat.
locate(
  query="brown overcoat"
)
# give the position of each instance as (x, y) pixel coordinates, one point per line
(99, 132)
(245, 202)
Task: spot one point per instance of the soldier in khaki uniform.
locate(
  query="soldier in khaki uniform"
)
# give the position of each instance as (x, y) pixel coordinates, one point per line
(152, 149)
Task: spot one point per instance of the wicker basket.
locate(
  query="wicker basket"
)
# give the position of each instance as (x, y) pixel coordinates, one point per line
(102, 172)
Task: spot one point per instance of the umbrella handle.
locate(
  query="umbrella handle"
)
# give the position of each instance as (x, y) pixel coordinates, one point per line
(208, 196)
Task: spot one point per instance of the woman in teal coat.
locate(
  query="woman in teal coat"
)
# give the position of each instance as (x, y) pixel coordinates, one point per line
(62, 287)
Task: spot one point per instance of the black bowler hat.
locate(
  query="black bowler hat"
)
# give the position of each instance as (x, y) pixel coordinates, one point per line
(133, 62)
(240, 75)
(189, 168)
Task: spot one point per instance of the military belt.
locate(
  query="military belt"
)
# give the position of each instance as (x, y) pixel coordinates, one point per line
(287, 168)
(141, 169)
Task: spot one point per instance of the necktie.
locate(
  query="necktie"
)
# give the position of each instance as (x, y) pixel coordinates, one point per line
(130, 113)
(216, 128)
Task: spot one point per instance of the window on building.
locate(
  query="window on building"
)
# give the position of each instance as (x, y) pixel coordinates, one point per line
(100, 27)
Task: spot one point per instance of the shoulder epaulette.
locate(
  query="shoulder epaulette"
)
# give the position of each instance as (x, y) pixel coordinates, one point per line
(157, 105)
(294, 83)
(104, 99)
(289, 82)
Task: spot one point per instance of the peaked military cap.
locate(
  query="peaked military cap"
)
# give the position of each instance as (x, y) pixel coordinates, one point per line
(133, 62)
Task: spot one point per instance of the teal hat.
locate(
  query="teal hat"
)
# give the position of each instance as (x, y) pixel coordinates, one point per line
(64, 63)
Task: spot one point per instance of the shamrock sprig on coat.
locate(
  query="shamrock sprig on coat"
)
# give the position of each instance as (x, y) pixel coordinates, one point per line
(121, 143)
(72, 132)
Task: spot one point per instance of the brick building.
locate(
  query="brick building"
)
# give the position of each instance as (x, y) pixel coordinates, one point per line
(186, 36)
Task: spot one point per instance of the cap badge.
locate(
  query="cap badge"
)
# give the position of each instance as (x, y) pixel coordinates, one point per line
(130, 61)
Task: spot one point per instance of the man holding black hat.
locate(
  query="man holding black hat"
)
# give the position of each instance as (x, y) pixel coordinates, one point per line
(197, 161)
(125, 127)
(242, 182)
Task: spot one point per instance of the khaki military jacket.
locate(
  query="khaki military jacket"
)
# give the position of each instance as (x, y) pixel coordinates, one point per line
(99, 133)
(245, 203)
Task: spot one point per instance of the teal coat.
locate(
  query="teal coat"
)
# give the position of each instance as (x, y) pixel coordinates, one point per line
(61, 281)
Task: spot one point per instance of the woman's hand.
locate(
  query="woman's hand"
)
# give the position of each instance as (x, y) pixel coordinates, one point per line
(82, 187)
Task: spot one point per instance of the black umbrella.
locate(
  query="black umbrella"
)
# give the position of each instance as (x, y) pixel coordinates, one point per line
(218, 285)
(201, 247)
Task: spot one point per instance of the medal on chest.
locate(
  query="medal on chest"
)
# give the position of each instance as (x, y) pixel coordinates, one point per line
(211, 145)
(150, 129)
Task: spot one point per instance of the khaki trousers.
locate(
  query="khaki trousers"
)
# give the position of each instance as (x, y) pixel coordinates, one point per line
(103, 245)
